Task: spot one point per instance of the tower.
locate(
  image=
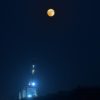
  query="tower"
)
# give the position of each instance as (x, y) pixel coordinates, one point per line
(30, 90)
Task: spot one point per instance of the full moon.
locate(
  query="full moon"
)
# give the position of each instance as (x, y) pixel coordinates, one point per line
(50, 12)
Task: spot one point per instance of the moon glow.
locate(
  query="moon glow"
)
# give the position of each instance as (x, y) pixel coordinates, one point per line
(50, 12)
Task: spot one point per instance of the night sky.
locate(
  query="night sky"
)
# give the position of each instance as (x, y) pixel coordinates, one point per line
(65, 48)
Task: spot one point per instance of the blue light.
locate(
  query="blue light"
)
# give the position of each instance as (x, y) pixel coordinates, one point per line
(33, 84)
(29, 96)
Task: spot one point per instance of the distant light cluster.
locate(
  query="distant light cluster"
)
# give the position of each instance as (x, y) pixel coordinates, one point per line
(32, 84)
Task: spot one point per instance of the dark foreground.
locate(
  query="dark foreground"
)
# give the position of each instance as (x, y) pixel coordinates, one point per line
(76, 94)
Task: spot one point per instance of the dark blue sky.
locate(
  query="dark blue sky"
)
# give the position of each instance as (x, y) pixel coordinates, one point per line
(66, 48)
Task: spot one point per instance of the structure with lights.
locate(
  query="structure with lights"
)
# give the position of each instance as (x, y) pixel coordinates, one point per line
(29, 91)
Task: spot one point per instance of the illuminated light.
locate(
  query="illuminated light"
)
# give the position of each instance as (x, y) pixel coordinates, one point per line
(33, 71)
(33, 66)
(29, 96)
(33, 84)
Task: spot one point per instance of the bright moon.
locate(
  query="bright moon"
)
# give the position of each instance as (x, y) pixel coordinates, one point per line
(50, 12)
